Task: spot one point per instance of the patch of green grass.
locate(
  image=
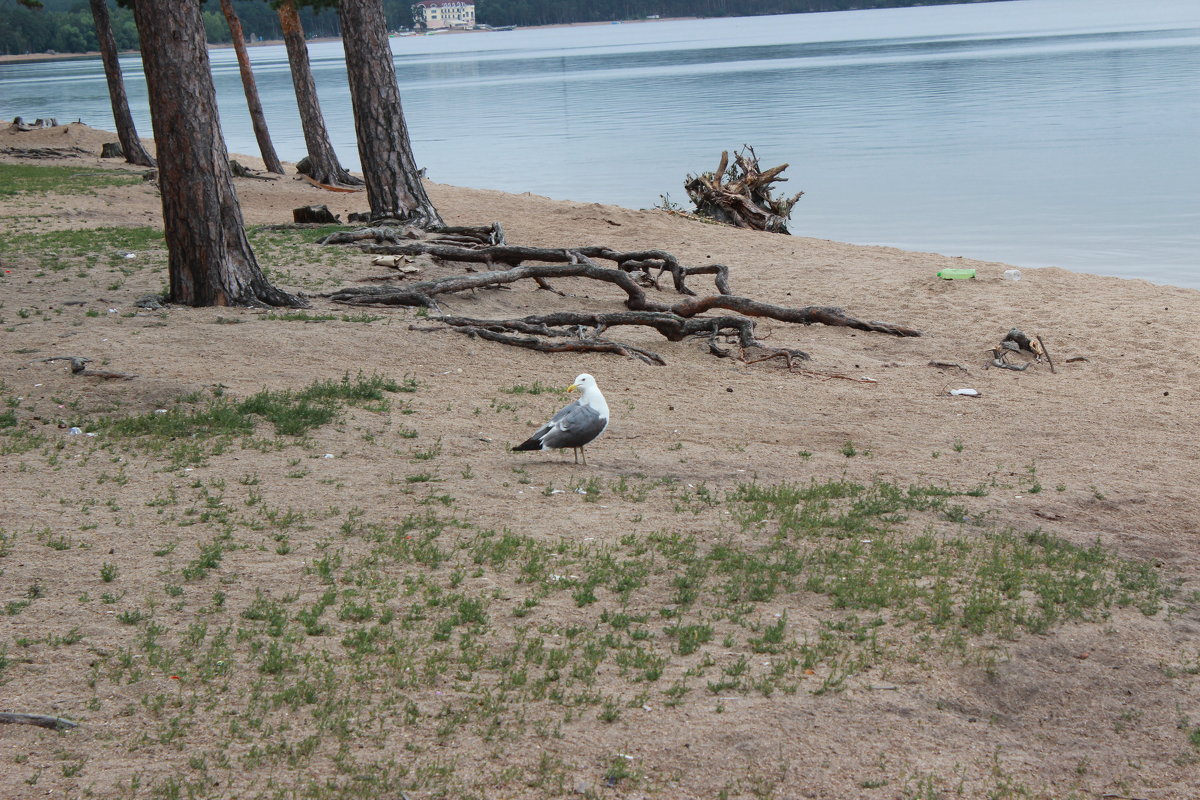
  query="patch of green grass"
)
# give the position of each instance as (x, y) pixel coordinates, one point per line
(537, 387)
(18, 179)
(291, 413)
(374, 651)
(83, 242)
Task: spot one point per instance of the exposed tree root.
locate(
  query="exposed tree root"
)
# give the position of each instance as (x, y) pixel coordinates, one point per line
(739, 194)
(727, 336)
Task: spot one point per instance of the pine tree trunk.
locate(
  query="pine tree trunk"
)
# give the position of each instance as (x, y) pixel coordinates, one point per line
(323, 161)
(126, 130)
(394, 186)
(210, 262)
(257, 120)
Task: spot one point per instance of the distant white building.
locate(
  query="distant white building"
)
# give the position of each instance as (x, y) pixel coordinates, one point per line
(433, 14)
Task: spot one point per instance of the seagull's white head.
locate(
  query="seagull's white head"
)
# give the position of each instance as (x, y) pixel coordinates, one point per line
(589, 393)
(583, 383)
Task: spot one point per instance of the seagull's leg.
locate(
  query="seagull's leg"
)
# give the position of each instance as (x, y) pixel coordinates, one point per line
(575, 452)
(584, 454)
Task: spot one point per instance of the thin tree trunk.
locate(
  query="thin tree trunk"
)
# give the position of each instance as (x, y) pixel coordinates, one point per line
(126, 130)
(257, 120)
(210, 262)
(323, 161)
(394, 186)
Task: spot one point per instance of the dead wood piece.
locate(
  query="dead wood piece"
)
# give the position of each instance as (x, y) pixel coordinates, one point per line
(581, 327)
(378, 234)
(241, 171)
(1046, 353)
(556, 345)
(111, 150)
(327, 187)
(319, 214)
(739, 194)
(41, 720)
(566, 330)
(948, 365)
(998, 360)
(391, 232)
(515, 255)
(44, 152)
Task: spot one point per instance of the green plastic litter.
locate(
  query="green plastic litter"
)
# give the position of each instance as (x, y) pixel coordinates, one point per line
(956, 274)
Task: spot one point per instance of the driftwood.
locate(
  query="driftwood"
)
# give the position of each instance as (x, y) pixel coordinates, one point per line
(327, 187)
(41, 720)
(464, 236)
(739, 194)
(580, 331)
(44, 152)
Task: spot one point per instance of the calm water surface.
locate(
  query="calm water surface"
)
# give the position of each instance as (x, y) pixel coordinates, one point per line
(1037, 132)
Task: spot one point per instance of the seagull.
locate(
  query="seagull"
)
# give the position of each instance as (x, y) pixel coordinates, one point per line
(574, 425)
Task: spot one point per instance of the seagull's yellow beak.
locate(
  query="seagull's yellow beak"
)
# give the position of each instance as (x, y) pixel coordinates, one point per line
(572, 388)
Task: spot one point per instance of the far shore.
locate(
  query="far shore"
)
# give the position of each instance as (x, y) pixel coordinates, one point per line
(19, 57)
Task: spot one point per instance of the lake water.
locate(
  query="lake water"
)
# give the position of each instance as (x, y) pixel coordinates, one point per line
(1037, 132)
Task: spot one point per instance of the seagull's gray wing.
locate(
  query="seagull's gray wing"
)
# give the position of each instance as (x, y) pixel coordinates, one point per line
(573, 426)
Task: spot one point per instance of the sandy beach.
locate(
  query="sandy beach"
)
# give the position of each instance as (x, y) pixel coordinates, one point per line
(458, 674)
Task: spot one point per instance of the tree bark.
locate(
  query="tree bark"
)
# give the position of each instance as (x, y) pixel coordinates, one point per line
(210, 262)
(126, 130)
(394, 187)
(323, 161)
(257, 120)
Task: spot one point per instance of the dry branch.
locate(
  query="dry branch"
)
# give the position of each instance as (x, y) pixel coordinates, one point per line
(638, 261)
(41, 720)
(398, 234)
(580, 331)
(44, 152)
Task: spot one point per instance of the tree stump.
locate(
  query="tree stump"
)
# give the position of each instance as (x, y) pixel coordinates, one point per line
(112, 150)
(320, 214)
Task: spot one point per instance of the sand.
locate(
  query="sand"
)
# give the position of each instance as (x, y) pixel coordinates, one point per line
(1102, 450)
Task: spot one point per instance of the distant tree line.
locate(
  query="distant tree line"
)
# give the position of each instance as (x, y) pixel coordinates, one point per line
(556, 12)
(65, 26)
